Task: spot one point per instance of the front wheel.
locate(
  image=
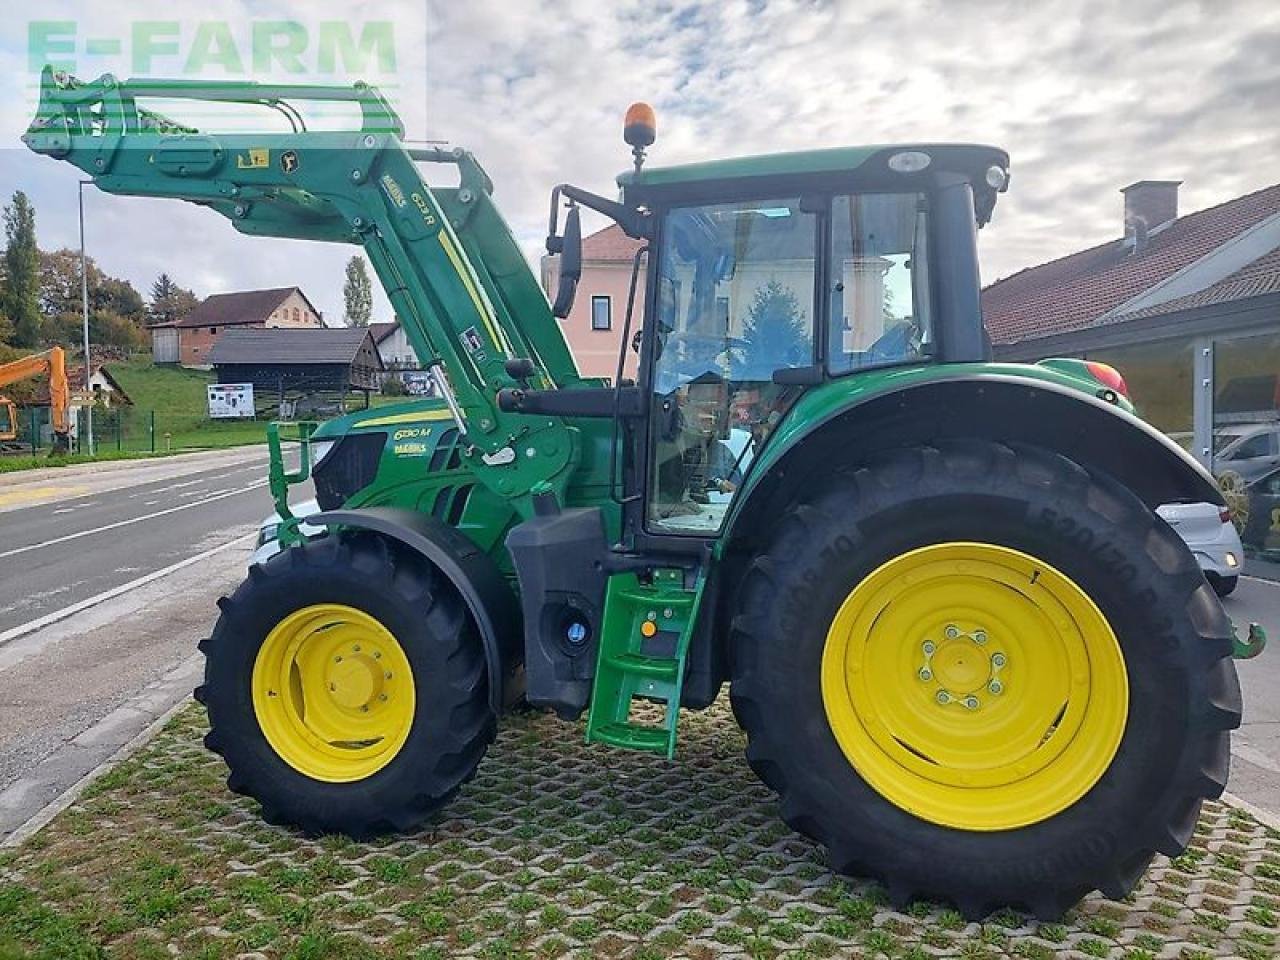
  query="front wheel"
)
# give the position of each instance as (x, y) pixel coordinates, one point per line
(346, 688)
(984, 675)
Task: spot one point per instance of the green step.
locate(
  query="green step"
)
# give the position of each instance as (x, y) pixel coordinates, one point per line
(629, 666)
(632, 736)
(658, 668)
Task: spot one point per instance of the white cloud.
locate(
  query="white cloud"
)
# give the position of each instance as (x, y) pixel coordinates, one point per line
(1087, 97)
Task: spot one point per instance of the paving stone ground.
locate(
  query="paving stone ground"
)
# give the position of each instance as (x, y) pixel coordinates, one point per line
(557, 849)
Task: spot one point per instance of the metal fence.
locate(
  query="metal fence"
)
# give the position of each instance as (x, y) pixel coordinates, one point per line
(134, 430)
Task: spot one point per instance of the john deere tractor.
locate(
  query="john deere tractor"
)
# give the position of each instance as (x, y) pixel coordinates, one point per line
(965, 651)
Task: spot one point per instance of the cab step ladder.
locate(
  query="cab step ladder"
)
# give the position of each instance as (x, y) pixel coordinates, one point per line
(643, 647)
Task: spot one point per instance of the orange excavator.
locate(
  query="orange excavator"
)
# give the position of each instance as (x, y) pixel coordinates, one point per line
(54, 363)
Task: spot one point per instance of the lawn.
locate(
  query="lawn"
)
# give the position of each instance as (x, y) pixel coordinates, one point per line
(556, 849)
(178, 398)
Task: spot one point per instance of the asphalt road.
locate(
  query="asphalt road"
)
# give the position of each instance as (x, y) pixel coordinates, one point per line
(60, 552)
(137, 553)
(1255, 747)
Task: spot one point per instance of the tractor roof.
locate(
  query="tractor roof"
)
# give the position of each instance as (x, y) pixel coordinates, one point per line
(971, 159)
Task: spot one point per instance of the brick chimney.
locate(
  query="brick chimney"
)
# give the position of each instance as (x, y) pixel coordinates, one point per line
(1148, 204)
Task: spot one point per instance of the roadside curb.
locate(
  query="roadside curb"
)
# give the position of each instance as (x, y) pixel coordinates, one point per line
(37, 474)
(66, 798)
(1264, 817)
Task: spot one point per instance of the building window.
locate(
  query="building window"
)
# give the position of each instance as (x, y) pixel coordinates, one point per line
(601, 313)
(213, 331)
(297, 315)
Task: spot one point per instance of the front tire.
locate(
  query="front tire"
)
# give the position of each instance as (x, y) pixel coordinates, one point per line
(984, 795)
(346, 688)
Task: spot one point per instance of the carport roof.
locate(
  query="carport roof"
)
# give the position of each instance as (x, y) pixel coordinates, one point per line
(338, 345)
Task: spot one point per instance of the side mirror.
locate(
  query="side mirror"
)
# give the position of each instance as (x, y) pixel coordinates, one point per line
(570, 263)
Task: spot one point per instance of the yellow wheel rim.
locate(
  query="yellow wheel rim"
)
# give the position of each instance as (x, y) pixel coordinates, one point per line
(974, 686)
(333, 692)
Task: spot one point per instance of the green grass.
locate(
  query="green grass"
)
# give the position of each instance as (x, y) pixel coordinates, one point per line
(178, 397)
(41, 461)
(554, 852)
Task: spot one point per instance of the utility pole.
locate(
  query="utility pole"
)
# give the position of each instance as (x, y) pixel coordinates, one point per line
(84, 303)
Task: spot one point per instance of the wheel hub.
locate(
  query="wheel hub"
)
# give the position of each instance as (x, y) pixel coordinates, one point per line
(357, 681)
(962, 667)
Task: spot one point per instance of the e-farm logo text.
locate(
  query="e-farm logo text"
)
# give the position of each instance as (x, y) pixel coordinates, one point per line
(213, 48)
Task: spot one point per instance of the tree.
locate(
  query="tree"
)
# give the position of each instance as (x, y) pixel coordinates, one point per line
(117, 313)
(357, 293)
(775, 333)
(19, 300)
(169, 302)
(163, 288)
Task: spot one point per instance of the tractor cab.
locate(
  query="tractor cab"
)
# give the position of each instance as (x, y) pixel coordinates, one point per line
(767, 276)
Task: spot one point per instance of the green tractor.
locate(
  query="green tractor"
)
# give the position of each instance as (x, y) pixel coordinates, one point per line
(967, 654)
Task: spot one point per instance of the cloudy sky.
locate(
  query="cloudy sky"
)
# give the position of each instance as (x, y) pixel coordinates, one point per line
(1087, 97)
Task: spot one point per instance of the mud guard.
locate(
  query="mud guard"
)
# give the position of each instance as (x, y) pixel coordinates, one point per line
(993, 406)
(473, 573)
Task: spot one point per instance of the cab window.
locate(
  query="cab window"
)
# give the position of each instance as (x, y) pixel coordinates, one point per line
(879, 281)
(735, 295)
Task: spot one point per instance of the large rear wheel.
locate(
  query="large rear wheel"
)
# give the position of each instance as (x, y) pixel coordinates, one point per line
(346, 688)
(985, 676)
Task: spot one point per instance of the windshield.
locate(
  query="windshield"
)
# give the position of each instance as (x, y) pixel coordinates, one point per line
(735, 295)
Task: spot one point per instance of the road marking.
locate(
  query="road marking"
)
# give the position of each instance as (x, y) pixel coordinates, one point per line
(124, 523)
(35, 493)
(64, 510)
(13, 633)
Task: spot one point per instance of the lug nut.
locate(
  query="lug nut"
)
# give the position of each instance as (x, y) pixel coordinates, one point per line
(926, 674)
(929, 647)
(979, 636)
(971, 703)
(997, 659)
(995, 686)
(952, 631)
(943, 697)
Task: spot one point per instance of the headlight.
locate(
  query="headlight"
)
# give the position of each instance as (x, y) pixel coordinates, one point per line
(1232, 561)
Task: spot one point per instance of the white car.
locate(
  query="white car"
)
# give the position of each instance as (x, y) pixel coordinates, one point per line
(268, 546)
(1207, 529)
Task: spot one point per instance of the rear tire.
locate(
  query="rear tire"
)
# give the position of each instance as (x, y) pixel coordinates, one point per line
(1175, 642)
(449, 725)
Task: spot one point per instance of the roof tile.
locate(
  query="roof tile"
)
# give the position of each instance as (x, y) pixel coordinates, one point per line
(1074, 292)
(243, 306)
(289, 346)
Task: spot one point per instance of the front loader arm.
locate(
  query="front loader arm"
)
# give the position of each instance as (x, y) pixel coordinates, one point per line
(357, 186)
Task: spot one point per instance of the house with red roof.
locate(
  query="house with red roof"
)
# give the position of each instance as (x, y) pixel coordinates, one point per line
(190, 340)
(1187, 308)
